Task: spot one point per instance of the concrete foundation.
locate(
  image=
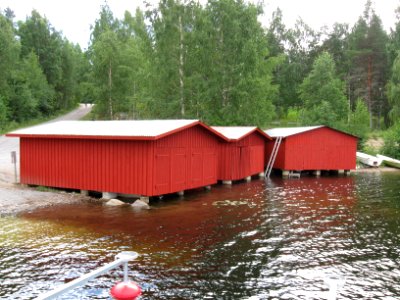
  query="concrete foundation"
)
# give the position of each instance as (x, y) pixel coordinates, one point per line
(145, 199)
(227, 182)
(208, 187)
(285, 173)
(341, 172)
(84, 192)
(261, 175)
(347, 172)
(293, 174)
(248, 179)
(317, 173)
(181, 193)
(108, 195)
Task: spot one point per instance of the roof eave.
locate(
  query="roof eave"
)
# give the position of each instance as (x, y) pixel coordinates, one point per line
(258, 130)
(89, 137)
(316, 128)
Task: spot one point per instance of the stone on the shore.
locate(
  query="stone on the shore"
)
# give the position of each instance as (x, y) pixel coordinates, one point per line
(115, 202)
(140, 204)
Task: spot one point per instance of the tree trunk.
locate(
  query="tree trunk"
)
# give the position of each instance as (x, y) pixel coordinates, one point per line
(110, 107)
(370, 92)
(181, 83)
(224, 87)
(349, 94)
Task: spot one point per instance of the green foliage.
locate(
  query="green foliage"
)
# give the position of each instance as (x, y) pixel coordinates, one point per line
(30, 95)
(3, 114)
(294, 50)
(368, 68)
(57, 58)
(391, 147)
(213, 61)
(37, 35)
(359, 121)
(191, 62)
(322, 94)
(119, 66)
(242, 77)
(336, 45)
(38, 75)
(393, 90)
(9, 51)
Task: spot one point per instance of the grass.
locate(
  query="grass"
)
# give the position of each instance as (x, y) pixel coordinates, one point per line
(376, 134)
(45, 189)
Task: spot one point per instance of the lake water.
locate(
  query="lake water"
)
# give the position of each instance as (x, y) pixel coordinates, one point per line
(281, 239)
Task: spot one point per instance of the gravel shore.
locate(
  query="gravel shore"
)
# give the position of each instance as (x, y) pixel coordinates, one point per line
(15, 198)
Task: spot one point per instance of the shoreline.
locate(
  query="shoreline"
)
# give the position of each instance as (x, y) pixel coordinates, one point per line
(17, 199)
(375, 170)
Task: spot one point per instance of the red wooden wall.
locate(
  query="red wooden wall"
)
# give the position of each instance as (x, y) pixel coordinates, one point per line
(183, 160)
(319, 149)
(193, 155)
(239, 159)
(97, 165)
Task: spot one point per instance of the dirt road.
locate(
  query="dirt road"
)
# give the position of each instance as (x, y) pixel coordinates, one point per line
(12, 199)
(12, 144)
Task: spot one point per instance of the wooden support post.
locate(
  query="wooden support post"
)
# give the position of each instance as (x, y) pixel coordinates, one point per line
(181, 193)
(317, 173)
(227, 182)
(248, 178)
(341, 172)
(261, 175)
(347, 172)
(285, 173)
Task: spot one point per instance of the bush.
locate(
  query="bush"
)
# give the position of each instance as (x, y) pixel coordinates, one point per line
(392, 142)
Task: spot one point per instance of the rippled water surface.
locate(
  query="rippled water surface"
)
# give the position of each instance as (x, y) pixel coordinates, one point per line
(284, 239)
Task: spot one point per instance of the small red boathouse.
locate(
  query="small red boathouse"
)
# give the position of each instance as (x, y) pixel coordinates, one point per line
(146, 158)
(242, 154)
(313, 148)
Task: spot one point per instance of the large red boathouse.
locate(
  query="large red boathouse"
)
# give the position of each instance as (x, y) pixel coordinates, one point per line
(243, 154)
(313, 148)
(146, 158)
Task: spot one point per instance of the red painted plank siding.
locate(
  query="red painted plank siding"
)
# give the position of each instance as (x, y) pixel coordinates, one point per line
(319, 149)
(280, 158)
(112, 166)
(184, 160)
(190, 160)
(239, 159)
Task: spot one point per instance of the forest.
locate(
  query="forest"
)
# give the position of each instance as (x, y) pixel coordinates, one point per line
(213, 61)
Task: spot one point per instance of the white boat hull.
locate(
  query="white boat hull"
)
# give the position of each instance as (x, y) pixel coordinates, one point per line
(391, 162)
(368, 160)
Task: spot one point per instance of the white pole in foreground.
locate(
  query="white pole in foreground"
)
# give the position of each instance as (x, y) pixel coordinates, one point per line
(121, 259)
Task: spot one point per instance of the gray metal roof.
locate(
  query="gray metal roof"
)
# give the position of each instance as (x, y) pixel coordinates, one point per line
(288, 131)
(234, 132)
(142, 128)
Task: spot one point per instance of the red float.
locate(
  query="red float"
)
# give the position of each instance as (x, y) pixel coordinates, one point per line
(125, 291)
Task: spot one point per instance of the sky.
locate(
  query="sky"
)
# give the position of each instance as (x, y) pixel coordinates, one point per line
(74, 17)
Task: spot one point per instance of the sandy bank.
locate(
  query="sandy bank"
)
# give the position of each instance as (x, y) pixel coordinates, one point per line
(16, 199)
(376, 170)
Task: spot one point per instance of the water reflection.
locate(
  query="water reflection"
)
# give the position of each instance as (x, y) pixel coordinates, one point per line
(284, 239)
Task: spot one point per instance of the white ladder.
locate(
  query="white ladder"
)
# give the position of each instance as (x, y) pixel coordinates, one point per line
(273, 156)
